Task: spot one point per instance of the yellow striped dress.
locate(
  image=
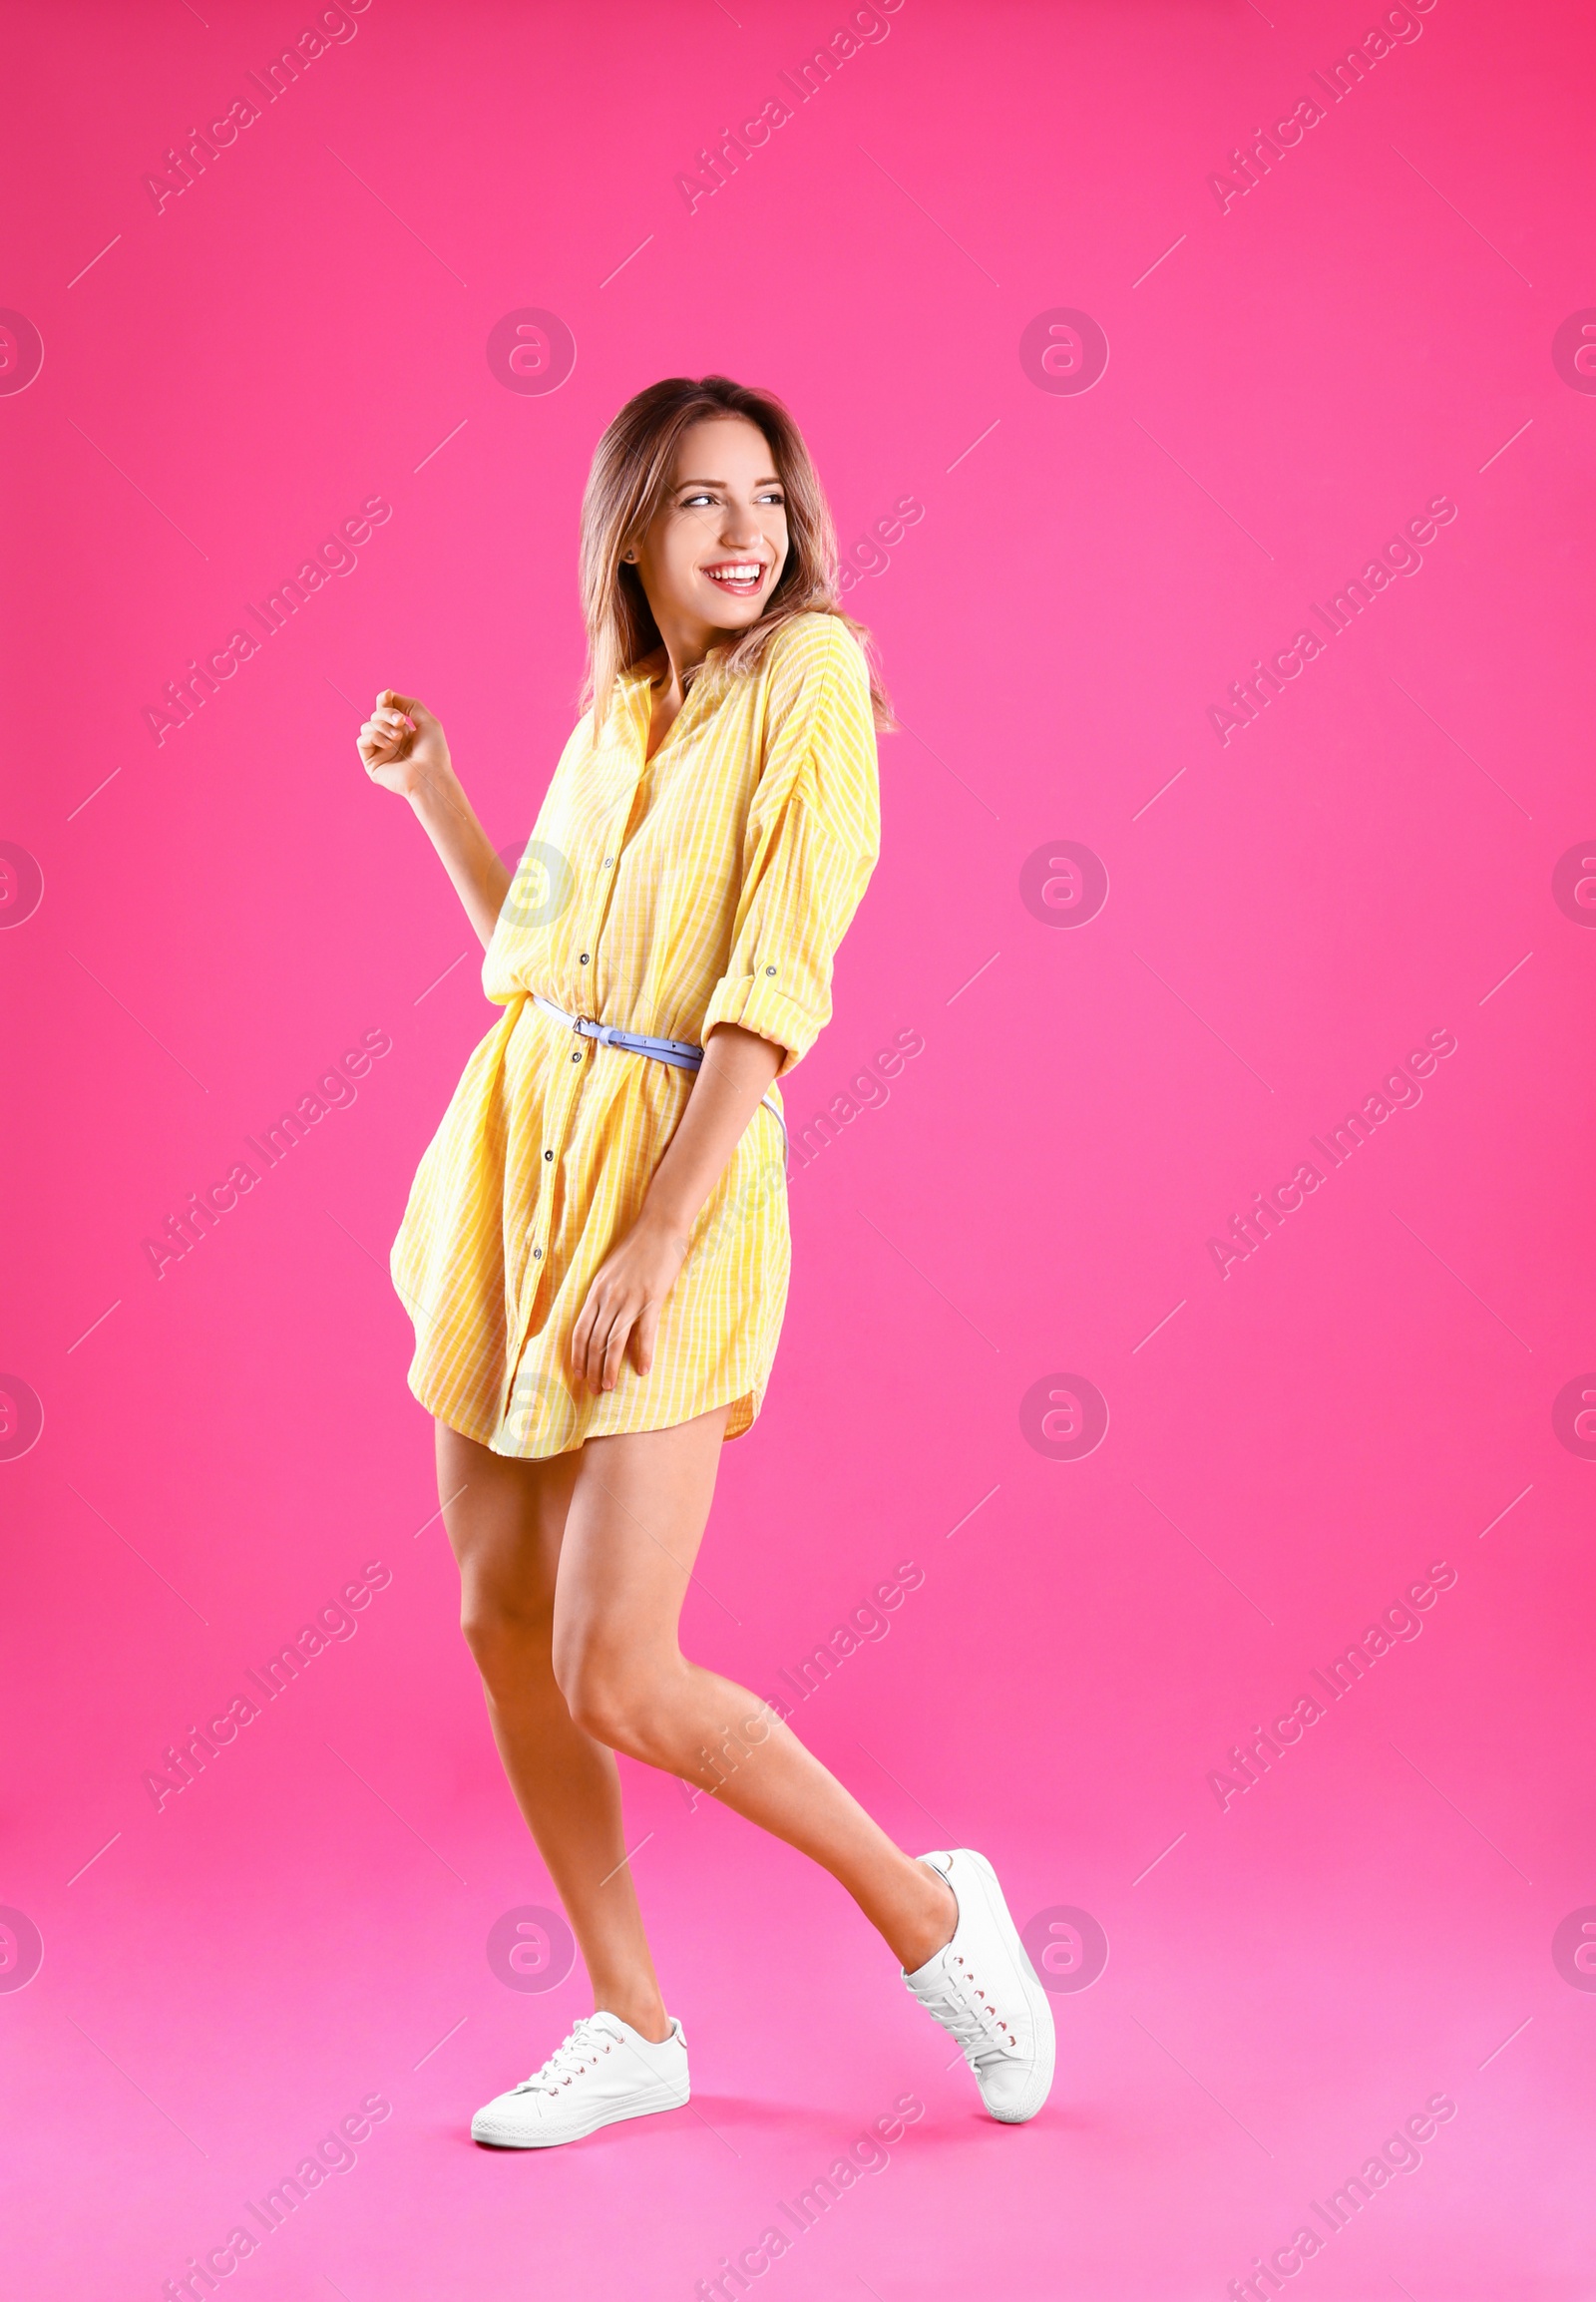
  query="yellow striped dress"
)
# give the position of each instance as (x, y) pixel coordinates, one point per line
(710, 884)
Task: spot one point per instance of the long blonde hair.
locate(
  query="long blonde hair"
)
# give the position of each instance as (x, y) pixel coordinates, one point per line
(630, 481)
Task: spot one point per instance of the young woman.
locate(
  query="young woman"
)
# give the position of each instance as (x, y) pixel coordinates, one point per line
(596, 1252)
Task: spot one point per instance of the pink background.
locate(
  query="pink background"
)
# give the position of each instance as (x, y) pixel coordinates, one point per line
(1291, 377)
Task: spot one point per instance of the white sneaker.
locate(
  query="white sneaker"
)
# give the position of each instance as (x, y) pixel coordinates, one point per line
(984, 1990)
(605, 2071)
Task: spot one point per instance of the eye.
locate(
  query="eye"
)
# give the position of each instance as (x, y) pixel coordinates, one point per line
(700, 496)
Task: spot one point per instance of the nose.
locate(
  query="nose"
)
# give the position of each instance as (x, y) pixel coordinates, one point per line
(739, 528)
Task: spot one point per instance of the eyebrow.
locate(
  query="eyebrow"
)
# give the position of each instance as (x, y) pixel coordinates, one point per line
(771, 480)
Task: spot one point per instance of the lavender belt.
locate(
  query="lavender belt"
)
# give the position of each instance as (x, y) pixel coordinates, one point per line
(681, 1053)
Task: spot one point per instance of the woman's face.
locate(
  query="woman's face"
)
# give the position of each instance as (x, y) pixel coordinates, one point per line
(713, 554)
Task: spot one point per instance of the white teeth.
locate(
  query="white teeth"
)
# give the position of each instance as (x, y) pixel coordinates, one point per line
(747, 574)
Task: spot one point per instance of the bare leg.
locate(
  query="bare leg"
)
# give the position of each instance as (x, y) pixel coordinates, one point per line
(506, 1519)
(633, 1523)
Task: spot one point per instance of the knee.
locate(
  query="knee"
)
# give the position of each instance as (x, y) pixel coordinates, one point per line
(612, 1698)
(508, 1639)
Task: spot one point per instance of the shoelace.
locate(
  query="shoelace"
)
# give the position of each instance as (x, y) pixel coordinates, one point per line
(579, 2053)
(968, 2015)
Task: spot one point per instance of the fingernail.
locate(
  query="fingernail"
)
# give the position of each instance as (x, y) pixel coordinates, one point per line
(410, 723)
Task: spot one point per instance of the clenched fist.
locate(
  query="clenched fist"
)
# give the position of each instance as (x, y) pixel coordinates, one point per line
(402, 746)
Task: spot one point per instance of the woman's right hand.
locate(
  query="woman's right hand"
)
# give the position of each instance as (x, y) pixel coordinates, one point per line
(402, 746)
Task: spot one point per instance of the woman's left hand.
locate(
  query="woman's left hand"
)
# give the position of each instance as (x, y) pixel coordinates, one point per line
(622, 1313)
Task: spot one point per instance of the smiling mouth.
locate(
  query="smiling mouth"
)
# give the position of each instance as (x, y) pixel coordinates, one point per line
(741, 578)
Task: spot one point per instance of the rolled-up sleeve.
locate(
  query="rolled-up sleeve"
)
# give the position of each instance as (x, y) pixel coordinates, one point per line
(812, 839)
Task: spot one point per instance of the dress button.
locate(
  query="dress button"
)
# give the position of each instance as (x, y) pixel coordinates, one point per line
(537, 1255)
(548, 1154)
(575, 1054)
(770, 971)
(585, 959)
(609, 859)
